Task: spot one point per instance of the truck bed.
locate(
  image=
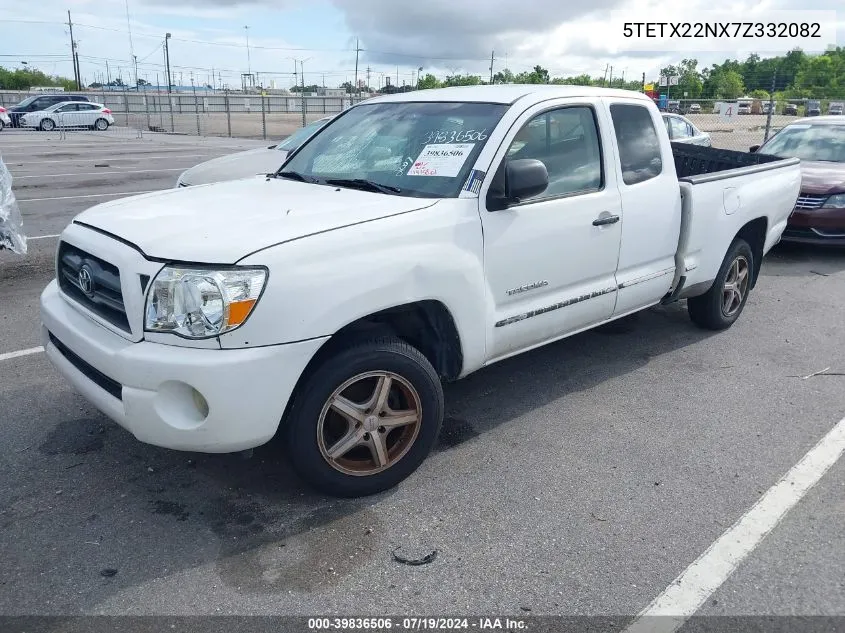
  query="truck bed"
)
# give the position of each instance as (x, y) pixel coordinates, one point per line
(722, 191)
(696, 160)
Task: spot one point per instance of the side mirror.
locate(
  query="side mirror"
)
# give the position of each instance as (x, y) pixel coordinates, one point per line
(753, 148)
(524, 178)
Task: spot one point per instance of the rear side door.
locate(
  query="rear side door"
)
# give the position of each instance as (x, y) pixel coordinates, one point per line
(87, 114)
(66, 115)
(651, 203)
(550, 260)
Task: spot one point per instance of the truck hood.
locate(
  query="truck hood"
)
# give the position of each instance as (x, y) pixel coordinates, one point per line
(822, 178)
(224, 222)
(233, 166)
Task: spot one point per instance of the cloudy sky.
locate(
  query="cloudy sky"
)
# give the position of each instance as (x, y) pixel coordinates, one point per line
(442, 36)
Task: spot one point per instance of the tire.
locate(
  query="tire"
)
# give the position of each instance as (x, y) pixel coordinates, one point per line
(47, 125)
(101, 125)
(715, 309)
(2, 126)
(314, 428)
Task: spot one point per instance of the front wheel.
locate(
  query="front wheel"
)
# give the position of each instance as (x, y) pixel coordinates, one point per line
(719, 307)
(101, 125)
(47, 125)
(365, 419)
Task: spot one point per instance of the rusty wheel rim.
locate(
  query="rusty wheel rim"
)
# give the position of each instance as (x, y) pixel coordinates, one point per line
(369, 423)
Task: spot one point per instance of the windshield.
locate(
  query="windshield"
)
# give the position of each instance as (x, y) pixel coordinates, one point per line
(809, 142)
(296, 139)
(26, 102)
(414, 148)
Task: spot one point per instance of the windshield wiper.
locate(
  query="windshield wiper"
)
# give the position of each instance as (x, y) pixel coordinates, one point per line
(294, 175)
(363, 184)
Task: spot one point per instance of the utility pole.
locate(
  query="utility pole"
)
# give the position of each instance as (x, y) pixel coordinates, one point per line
(302, 77)
(604, 77)
(643, 83)
(357, 50)
(610, 83)
(397, 77)
(167, 62)
(248, 62)
(492, 59)
(368, 78)
(75, 56)
(771, 107)
(108, 74)
(169, 80)
(131, 47)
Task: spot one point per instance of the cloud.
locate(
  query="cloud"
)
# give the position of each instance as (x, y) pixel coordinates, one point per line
(439, 31)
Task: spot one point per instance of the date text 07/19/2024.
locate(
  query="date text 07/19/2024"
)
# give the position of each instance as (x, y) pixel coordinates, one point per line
(417, 624)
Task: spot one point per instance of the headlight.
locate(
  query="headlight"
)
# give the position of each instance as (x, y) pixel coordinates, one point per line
(202, 302)
(835, 202)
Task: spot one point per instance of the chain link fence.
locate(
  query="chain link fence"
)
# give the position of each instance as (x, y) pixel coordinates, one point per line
(753, 121)
(202, 113)
(275, 116)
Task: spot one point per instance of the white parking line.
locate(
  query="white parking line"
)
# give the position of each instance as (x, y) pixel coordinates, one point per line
(101, 173)
(42, 237)
(696, 584)
(23, 352)
(90, 195)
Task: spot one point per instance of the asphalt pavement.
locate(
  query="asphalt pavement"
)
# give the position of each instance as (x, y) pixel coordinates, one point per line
(578, 479)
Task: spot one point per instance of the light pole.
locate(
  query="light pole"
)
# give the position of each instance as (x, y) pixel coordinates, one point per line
(169, 80)
(248, 62)
(167, 60)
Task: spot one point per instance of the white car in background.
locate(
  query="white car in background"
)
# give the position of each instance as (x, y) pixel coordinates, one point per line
(682, 130)
(264, 160)
(4, 119)
(80, 114)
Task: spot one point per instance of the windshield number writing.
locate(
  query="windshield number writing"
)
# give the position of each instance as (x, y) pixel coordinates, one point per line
(455, 136)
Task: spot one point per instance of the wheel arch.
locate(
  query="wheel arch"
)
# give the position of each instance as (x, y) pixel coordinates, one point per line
(754, 232)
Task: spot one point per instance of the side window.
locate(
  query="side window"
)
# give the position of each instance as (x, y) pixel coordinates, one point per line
(84, 107)
(70, 107)
(691, 130)
(566, 141)
(679, 128)
(639, 146)
(668, 127)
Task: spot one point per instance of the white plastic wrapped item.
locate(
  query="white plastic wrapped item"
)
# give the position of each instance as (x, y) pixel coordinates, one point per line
(11, 233)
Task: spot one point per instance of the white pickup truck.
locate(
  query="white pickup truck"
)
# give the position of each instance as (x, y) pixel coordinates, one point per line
(415, 239)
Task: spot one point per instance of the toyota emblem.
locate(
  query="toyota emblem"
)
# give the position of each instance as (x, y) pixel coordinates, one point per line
(86, 280)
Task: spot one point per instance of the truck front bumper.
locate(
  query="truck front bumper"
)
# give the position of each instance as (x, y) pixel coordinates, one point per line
(204, 400)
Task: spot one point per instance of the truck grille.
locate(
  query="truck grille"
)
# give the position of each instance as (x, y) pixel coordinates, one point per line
(93, 283)
(810, 201)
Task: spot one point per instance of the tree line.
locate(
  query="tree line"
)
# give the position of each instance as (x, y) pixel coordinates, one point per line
(795, 75)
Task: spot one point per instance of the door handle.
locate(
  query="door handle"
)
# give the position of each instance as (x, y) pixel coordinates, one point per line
(608, 219)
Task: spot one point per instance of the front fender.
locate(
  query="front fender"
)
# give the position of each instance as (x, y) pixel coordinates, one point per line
(322, 283)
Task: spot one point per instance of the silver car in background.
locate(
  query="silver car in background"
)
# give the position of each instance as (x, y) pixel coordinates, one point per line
(264, 160)
(682, 130)
(69, 114)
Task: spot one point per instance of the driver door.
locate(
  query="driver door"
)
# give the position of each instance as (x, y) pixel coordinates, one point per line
(551, 259)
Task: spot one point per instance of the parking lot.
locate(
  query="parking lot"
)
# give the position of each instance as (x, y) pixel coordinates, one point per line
(578, 479)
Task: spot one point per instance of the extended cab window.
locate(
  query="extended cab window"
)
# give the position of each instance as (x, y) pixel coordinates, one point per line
(639, 146)
(566, 142)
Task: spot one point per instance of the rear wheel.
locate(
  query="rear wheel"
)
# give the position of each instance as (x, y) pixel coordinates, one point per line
(365, 419)
(2, 125)
(101, 125)
(719, 307)
(47, 125)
